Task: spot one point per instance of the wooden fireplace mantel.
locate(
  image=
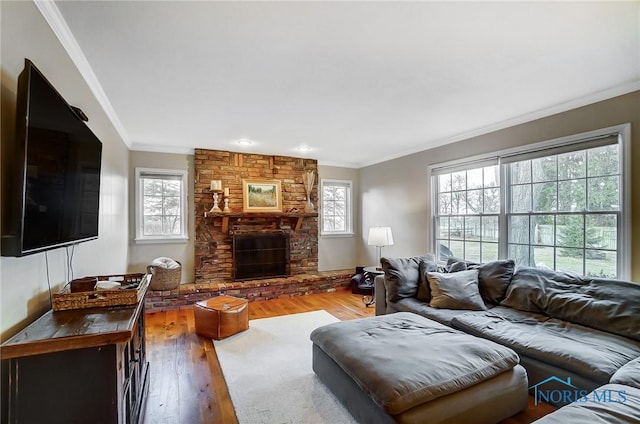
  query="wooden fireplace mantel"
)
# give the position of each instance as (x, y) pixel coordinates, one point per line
(299, 217)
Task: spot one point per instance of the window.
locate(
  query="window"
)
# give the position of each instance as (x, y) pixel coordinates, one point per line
(467, 213)
(558, 204)
(336, 211)
(564, 211)
(160, 205)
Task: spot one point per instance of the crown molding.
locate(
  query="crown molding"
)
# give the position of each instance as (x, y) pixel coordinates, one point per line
(156, 148)
(56, 21)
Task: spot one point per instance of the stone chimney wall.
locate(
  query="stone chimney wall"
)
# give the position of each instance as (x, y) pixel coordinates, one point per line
(213, 248)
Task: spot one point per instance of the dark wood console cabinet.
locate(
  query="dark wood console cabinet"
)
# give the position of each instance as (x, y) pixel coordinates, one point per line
(77, 366)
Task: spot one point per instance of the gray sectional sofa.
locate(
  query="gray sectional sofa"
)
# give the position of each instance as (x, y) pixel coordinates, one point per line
(572, 333)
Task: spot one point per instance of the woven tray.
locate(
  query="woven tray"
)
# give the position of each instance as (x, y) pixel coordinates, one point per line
(65, 299)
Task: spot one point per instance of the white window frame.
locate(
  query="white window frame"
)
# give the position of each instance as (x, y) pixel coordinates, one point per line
(141, 238)
(480, 216)
(349, 208)
(624, 225)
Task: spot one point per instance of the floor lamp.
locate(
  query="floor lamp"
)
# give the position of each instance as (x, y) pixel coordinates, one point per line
(380, 237)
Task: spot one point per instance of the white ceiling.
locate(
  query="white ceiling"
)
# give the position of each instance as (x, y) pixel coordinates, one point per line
(358, 82)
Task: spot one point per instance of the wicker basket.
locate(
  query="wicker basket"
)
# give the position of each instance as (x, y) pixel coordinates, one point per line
(69, 298)
(164, 278)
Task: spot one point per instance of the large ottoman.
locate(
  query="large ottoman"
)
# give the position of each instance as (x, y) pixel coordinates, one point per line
(405, 368)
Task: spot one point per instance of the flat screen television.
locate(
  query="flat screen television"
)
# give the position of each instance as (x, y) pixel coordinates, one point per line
(53, 195)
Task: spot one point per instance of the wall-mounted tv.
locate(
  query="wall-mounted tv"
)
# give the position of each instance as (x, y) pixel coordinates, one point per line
(53, 193)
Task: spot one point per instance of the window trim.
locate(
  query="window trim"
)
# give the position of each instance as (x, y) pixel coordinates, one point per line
(349, 213)
(463, 217)
(624, 144)
(140, 238)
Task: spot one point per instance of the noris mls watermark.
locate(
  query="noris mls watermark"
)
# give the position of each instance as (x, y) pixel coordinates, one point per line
(569, 393)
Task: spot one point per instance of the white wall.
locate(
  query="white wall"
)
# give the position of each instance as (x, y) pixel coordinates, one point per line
(397, 192)
(23, 281)
(141, 255)
(340, 252)
(393, 195)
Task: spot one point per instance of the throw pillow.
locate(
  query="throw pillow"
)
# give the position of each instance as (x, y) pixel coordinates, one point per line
(455, 291)
(424, 292)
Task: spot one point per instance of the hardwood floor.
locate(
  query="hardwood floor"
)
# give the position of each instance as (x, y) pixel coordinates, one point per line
(187, 385)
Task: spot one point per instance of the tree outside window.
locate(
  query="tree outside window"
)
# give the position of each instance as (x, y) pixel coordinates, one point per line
(564, 211)
(336, 207)
(161, 200)
(160, 204)
(467, 219)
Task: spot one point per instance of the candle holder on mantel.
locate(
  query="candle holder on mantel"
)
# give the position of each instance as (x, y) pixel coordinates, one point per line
(226, 204)
(215, 207)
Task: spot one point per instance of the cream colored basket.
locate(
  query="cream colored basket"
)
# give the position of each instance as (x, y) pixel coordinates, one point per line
(165, 274)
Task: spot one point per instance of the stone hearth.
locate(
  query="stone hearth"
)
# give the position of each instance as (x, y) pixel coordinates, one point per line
(272, 288)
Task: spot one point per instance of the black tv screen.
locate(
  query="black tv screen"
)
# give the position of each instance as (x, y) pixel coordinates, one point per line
(57, 171)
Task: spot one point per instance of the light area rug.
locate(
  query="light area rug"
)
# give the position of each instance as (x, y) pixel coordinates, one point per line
(268, 370)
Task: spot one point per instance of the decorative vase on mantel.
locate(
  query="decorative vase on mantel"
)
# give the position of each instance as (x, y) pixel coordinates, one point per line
(308, 178)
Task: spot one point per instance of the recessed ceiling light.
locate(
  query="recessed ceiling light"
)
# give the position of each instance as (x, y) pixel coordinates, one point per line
(244, 142)
(303, 148)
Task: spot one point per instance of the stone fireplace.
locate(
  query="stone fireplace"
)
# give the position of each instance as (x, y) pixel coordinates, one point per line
(218, 233)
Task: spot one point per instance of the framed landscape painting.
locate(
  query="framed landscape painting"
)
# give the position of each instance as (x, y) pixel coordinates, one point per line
(262, 195)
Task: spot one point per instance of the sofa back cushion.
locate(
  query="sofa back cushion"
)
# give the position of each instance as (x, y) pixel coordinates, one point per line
(629, 374)
(608, 305)
(401, 277)
(494, 278)
(424, 291)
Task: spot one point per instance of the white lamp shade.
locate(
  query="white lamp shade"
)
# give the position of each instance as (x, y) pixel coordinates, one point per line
(380, 236)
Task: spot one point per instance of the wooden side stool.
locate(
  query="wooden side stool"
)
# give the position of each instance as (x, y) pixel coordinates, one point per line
(221, 317)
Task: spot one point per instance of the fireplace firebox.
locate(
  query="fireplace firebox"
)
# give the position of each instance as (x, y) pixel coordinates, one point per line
(262, 255)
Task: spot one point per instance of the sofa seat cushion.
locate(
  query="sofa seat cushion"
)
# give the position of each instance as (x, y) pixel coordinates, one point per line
(590, 353)
(443, 316)
(629, 374)
(403, 360)
(622, 407)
